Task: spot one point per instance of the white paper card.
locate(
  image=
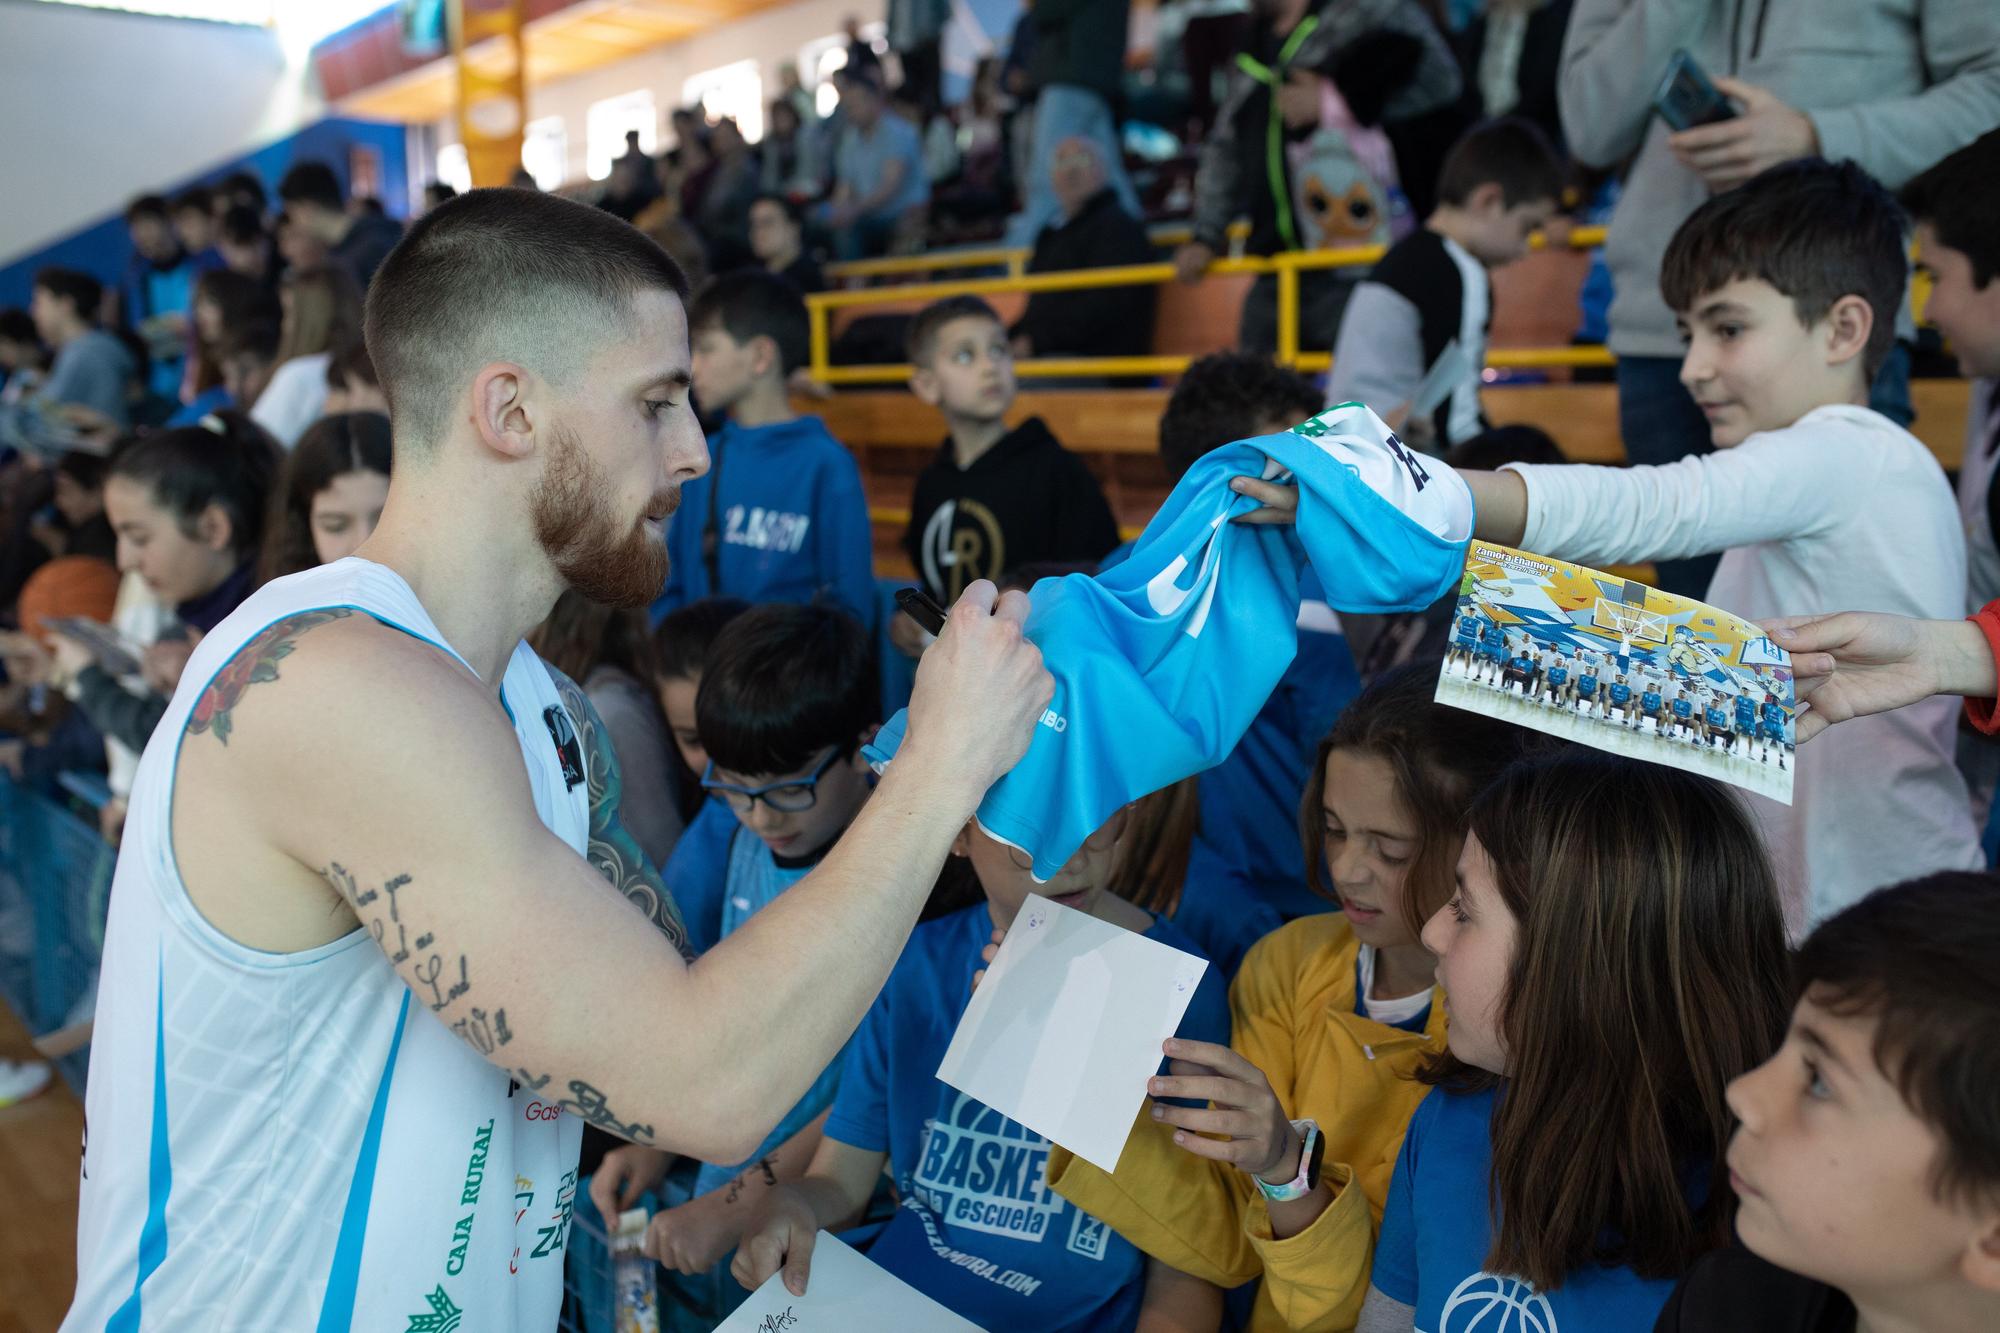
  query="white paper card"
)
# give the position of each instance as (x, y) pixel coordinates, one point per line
(845, 1293)
(1066, 1027)
(1453, 364)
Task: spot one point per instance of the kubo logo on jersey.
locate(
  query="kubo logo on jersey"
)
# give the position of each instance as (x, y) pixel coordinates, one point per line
(1054, 721)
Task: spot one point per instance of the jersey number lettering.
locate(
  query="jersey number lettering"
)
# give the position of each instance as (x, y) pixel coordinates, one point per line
(1418, 476)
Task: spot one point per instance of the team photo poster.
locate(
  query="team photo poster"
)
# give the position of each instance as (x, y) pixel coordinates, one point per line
(1610, 662)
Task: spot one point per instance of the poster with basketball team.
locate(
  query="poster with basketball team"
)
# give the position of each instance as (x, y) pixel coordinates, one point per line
(1606, 661)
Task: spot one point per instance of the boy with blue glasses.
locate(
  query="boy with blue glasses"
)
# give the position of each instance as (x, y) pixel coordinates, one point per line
(788, 696)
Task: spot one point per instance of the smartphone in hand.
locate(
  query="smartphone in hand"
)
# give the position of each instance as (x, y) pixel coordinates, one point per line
(1687, 97)
(918, 606)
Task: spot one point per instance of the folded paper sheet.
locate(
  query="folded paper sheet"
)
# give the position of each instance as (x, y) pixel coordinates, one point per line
(844, 1294)
(1066, 1028)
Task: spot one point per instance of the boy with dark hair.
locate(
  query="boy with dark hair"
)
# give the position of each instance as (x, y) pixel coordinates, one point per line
(682, 643)
(247, 356)
(777, 239)
(993, 499)
(781, 516)
(1500, 183)
(194, 224)
(157, 294)
(788, 697)
(244, 243)
(1866, 1159)
(314, 201)
(22, 356)
(91, 368)
(241, 189)
(1227, 393)
(1956, 208)
(1787, 290)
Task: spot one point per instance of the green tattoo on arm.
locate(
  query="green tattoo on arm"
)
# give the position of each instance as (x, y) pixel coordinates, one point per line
(612, 850)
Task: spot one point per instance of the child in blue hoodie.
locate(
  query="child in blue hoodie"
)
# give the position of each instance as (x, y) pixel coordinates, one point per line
(780, 517)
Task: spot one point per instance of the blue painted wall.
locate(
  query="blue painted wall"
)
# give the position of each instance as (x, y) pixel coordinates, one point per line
(103, 249)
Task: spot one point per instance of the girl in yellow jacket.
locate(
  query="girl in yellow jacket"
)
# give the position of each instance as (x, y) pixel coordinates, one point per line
(1331, 1015)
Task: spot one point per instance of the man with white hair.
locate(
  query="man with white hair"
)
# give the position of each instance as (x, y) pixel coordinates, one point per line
(1094, 230)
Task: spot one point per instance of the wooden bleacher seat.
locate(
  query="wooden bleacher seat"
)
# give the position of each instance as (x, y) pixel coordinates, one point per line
(1117, 431)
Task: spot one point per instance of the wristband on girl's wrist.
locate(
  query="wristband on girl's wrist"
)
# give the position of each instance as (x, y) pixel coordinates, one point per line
(1311, 1149)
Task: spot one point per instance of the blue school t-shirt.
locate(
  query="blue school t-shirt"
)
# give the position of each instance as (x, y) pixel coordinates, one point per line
(696, 872)
(978, 1228)
(754, 881)
(1437, 1229)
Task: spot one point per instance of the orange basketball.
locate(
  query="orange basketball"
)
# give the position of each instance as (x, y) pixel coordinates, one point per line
(70, 585)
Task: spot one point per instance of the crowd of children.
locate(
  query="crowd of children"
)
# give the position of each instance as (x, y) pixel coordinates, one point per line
(1547, 1062)
(1500, 1032)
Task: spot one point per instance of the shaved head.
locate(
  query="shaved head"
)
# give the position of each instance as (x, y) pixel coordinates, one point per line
(502, 275)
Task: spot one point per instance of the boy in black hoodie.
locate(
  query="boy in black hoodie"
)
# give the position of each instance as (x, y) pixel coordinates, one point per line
(994, 499)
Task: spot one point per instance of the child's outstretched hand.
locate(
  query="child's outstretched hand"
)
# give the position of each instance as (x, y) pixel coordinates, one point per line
(781, 1237)
(1260, 1140)
(1280, 503)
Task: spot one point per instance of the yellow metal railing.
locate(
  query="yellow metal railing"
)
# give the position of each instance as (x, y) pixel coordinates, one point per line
(1286, 267)
(1012, 258)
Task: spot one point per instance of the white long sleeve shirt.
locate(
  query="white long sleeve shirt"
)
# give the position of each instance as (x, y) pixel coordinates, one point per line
(1841, 511)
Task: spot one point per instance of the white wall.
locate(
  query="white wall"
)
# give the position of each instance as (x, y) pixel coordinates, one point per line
(99, 106)
(772, 37)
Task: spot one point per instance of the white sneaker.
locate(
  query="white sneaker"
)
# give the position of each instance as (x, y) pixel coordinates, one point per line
(20, 1080)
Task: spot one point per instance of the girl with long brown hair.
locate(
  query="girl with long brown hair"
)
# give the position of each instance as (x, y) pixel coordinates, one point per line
(329, 495)
(1613, 956)
(322, 316)
(1331, 1016)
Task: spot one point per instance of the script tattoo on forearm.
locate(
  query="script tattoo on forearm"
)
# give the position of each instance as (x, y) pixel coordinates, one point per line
(588, 1104)
(445, 982)
(254, 664)
(613, 850)
(762, 1167)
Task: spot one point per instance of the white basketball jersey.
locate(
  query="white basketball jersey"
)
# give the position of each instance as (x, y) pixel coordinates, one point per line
(296, 1141)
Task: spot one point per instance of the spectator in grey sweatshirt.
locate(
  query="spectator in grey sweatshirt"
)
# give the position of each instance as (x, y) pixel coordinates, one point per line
(1893, 84)
(92, 368)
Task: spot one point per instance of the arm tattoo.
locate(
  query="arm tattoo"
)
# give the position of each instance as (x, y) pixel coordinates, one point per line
(762, 1167)
(588, 1104)
(612, 850)
(445, 981)
(255, 663)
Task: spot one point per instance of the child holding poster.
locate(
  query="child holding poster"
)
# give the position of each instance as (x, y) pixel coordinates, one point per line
(1787, 289)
